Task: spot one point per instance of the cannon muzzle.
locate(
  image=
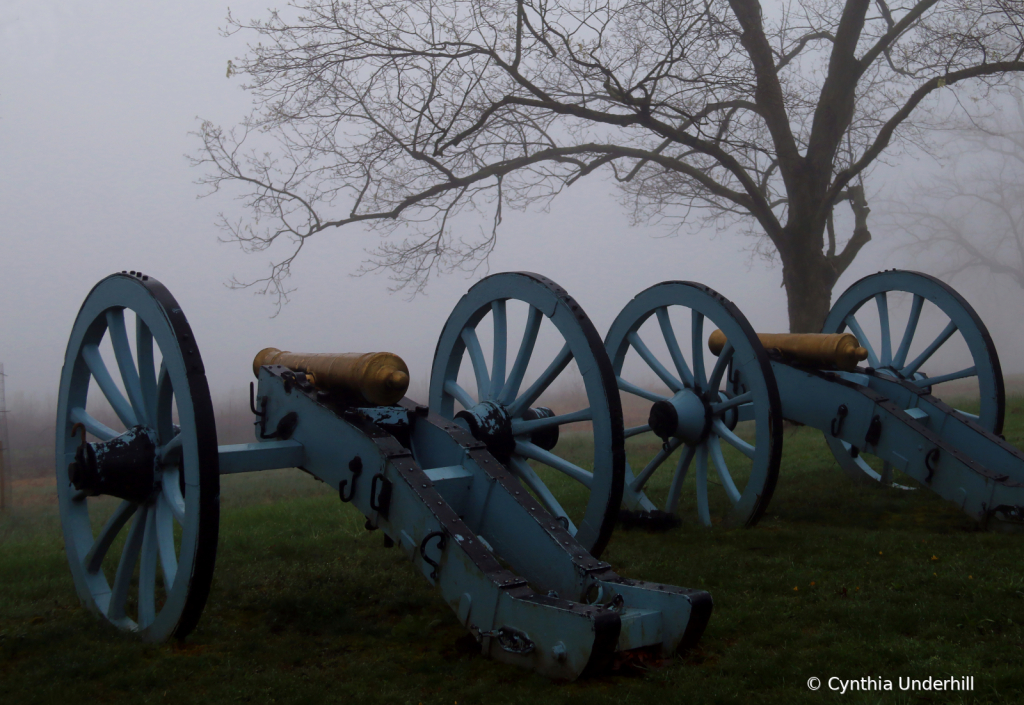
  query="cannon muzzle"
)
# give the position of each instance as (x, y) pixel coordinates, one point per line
(379, 378)
(828, 350)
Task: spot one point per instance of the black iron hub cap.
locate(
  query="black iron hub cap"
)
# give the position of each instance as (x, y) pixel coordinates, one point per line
(123, 467)
(491, 424)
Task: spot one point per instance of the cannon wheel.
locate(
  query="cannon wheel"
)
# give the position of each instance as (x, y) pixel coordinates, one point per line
(882, 355)
(172, 536)
(741, 386)
(598, 477)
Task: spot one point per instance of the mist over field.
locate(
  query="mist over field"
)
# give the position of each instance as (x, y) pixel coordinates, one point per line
(329, 176)
(95, 116)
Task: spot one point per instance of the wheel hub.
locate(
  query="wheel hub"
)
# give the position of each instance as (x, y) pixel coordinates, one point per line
(546, 438)
(123, 467)
(686, 416)
(490, 423)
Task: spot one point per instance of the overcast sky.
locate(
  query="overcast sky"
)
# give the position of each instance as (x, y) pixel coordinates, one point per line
(96, 103)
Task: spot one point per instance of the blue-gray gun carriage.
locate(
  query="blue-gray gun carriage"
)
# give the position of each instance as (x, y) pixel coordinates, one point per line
(452, 488)
(862, 386)
(478, 487)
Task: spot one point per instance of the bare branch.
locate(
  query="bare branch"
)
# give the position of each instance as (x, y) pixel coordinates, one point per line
(423, 120)
(885, 134)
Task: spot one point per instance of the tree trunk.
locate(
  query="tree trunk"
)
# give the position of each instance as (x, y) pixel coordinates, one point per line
(808, 277)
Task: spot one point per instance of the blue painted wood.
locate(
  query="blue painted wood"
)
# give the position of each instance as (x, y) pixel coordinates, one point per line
(186, 503)
(451, 486)
(705, 310)
(960, 317)
(547, 304)
(254, 457)
(971, 467)
(118, 336)
(463, 518)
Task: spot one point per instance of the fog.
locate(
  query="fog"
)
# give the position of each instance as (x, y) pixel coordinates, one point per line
(96, 107)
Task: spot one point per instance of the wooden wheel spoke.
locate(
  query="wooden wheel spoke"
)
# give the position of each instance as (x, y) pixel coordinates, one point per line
(854, 326)
(700, 380)
(656, 462)
(515, 376)
(94, 361)
(476, 357)
(722, 469)
(948, 331)
(126, 566)
(971, 371)
(703, 509)
(720, 367)
(631, 388)
(673, 346)
(147, 571)
(126, 363)
(521, 426)
(170, 451)
(636, 430)
(171, 492)
(543, 382)
(461, 395)
(676, 489)
(653, 362)
(525, 473)
(908, 333)
(100, 546)
(146, 365)
(80, 415)
(164, 405)
(529, 450)
(500, 352)
(882, 304)
(739, 400)
(723, 432)
(165, 541)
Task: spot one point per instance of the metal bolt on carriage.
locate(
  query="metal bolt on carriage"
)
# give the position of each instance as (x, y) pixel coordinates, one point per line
(502, 504)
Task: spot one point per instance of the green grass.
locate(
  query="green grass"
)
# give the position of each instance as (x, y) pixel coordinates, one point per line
(837, 580)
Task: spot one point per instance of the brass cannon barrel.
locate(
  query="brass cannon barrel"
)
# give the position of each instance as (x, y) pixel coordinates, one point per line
(831, 350)
(379, 378)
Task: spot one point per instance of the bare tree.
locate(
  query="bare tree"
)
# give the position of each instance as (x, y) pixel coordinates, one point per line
(404, 114)
(970, 215)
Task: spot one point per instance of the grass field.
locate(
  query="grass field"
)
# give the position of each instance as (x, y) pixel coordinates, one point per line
(837, 580)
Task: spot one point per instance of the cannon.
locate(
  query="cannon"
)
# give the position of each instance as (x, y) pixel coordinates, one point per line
(718, 393)
(450, 483)
(723, 392)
